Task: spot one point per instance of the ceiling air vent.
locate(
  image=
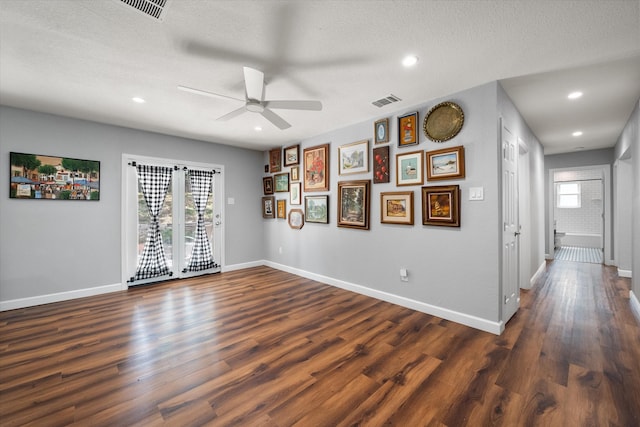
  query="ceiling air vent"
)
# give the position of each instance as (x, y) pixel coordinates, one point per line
(151, 8)
(386, 101)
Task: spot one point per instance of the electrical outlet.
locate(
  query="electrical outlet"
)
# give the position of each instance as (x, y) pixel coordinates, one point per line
(404, 275)
(280, 250)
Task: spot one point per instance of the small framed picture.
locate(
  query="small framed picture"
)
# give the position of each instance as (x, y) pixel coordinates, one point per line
(295, 173)
(396, 208)
(268, 207)
(281, 208)
(316, 209)
(316, 168)
(353, 158)
(381, 131)
(409, 168)
(275, 160)
(447, 163)
(381, 172)
(353, 204)
(295, 196)
(296, 219)
(408, 129)
(441, 205)
(281, 182)
(292, 155)
(267, 185)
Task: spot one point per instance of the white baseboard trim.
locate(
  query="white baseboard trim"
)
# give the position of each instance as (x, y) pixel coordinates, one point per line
(234, 267)
(60, 296)
(537, 274)
(624, 273)
(468, 320)
(635, 304)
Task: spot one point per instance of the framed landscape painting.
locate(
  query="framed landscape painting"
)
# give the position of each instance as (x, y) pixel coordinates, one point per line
(316, 209)
(292, 155)
(281, 182)
(396, 208)
(409, 168)
(447, 163)
(353, 204)
(353, 158)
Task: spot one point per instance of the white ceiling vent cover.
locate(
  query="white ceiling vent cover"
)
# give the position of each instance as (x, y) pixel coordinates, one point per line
(155, 9)
(386, 101)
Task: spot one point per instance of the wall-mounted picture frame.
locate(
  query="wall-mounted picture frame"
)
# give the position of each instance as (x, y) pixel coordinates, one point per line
(41, 177)
(447, 163)
(408, 129)
(295, 173)
(354, 203)
(396, 207)
(353, 158)
(316, 168)
(296, 219)
(268, 207)
(292, 155)
(281, 182)
(281, 208)
(275, 160)
(409, 168)
(381, 172)
(267, 185)
(316, 209)
(441, 205)
(295, 193)
(381, 131)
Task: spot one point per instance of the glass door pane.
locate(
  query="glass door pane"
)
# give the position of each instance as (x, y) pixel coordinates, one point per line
(166, 224)
(191, 220)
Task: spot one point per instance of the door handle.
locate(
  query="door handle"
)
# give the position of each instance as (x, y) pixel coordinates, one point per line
(218, 222)
(517, 233)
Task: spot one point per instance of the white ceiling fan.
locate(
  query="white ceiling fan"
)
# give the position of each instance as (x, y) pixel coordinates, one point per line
(255, 102)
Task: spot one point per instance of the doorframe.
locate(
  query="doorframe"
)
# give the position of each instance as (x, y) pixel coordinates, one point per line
(524, 214)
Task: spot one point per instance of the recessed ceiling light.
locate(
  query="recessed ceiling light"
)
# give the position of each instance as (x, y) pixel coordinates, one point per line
(410, 60)
(577, 133)
(574, 95)
(258, 128)
(138, 100)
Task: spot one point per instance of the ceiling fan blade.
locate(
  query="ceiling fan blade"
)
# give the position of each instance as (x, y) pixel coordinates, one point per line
(254, 83)
(275, 119)
(205, 93)
(294, 105)
(232, 114)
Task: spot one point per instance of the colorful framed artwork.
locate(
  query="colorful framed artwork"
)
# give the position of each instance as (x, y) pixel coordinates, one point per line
(296, 219)
(316, 168)
(295, 173)
(281, 208)
(316, 209)
(281, 182)
(409, 168)
(268, 207)
(381, 131)
(35, 176)
(396, 208)
(381, 172)
(441, 205)
(447, 163)
(292, 155)
(353, 204)
(267, 185)
(408, 129)
(295, 196)
(275, 160)
(353, 158)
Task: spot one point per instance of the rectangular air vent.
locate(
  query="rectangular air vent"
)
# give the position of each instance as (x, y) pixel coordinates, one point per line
(152, 8)
(386, 101)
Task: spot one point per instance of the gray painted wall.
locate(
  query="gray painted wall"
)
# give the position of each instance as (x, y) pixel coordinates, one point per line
(53, 246)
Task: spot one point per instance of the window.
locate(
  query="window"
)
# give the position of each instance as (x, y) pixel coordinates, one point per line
(568, 195)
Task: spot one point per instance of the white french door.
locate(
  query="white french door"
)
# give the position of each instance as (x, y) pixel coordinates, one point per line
(189, 221)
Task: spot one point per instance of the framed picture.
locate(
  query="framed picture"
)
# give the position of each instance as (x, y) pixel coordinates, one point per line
(281, 182)
(292, 155)
(447, 163)
(353, 158)
(408, 129)
(396, 208)
(441, 205)
(409, 168)
(296, 219)
(266, 168)
(275, 160)
(381, 131)
(316, 168)
(281, 208)
(353, 204)
(268, 207)
(295, 196)
(316, 209)
(295, 173)
(267, 185)
(35, 176)
(381, 165)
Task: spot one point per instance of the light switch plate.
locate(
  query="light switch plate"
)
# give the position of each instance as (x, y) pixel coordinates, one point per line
(476, 193)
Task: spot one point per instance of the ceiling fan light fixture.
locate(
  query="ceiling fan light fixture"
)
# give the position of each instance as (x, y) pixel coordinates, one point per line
(575, 95)
(410, 61)
(254, 106)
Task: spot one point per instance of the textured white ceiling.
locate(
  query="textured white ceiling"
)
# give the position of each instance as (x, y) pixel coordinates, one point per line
(88, 58)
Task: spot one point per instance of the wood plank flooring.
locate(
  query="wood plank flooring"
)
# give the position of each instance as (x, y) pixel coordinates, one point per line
(261, 347)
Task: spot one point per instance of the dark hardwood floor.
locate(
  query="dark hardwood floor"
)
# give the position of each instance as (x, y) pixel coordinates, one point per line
(261, 347)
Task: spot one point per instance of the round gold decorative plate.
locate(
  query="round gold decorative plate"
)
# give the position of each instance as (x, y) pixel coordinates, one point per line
(443, 121)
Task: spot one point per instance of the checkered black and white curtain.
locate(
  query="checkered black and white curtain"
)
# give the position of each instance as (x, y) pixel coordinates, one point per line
(154, 182)
(201, 256)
